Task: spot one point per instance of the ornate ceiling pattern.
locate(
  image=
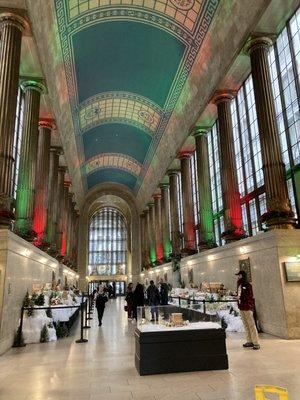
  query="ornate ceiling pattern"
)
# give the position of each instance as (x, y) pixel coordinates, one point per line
(126, 63)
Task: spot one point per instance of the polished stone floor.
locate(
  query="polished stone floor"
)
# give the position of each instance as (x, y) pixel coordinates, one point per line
(103, 369)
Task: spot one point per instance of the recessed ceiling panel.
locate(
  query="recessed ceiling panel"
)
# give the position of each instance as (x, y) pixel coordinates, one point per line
(126, 64)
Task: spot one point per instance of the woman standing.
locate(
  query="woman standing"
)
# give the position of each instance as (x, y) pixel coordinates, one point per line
(129, 300)
(138, 299)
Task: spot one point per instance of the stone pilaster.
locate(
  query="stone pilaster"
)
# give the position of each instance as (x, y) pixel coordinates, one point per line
(28, 160)
(175, 232)
(231, 196)
(206, 223)
(60, 210)
(53, 199)
(189, 231)
(42, 184)
(152, 248)
(75, 240)
(70, 228)
(11, 27)
(279, 214)
(165, 207)
(158, 229)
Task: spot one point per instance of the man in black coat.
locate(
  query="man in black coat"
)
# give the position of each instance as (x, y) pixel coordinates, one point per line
(101, 299)
(154, 300)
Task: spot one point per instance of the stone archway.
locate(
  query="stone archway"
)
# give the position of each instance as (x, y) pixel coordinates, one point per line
(120, 197)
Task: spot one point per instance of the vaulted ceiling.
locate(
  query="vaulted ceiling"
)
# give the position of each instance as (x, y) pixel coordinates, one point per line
(126, 63)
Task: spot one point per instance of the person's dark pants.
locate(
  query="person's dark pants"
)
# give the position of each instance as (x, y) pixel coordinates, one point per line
(130, 311)
(100, 311)
(154, 311)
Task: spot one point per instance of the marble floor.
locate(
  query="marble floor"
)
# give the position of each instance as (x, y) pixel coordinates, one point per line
(103, 369)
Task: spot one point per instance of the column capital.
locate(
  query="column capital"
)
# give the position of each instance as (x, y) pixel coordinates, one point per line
(258, 41)
(67, 184)
(222, 96)
(164, 185)
(173, 172)
(33, 84)
(185, 154)
(150, 204)
(156, 196)
(46, 123)
(11, 19)
(200, 130)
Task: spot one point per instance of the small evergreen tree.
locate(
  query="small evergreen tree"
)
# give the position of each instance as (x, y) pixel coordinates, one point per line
(40, 300)
(223, 323)
(49, 313)
(44, 334)
(61, 330)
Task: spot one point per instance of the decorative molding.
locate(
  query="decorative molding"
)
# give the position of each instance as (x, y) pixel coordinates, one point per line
(112, 160)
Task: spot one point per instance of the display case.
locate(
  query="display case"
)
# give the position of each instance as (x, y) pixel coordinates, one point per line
(175, 339)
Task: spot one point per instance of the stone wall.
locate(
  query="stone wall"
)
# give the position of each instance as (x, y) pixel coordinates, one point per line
(277, 301)
(21, 265)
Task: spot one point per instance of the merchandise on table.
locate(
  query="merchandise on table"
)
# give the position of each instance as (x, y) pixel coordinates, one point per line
(39, 325)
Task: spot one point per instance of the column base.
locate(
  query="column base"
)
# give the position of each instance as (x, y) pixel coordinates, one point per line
(6, 215)
(42, 245)
(233, 234)
(279, 220)
(188, 252)
(27, 234)
(206, 245)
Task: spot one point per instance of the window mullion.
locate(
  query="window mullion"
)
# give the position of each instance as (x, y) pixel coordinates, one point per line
(284, 113)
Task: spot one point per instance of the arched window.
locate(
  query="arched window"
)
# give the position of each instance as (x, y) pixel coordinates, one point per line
(107, 242)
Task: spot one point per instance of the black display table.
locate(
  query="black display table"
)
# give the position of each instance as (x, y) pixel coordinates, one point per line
(180, 351)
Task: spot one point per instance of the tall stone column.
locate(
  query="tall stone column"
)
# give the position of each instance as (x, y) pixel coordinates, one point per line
(65, 222)
(142, 241)
(231, 197)
(147, 241)
(28, 160)
(279, 214)
(42, 184)
(152, 233)
(158, 229)
(70, 228)
(165, 206)
(60, 210)
(75, 242)
(206, 223)
(175, 232)
(190, 245)
(11, 27)
(53, 197)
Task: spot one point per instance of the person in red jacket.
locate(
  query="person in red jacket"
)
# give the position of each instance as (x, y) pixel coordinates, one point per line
(246, 307)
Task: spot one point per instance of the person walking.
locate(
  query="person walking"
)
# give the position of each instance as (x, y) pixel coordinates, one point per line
(101, 299)
(246, 307)
(154, 300)
(164, 293)
(129, 300)
(138, 299)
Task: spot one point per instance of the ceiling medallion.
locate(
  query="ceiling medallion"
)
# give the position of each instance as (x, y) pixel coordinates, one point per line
(183, 4)
(92, 113)
(146, 116)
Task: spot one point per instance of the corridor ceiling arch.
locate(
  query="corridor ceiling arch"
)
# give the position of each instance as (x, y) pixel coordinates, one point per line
(126, 63)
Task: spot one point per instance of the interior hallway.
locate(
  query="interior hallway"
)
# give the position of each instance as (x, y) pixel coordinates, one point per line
(104, 368)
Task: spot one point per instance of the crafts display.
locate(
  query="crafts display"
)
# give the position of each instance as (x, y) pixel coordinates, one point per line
(41, 325)
(215, 293)
(169, 318)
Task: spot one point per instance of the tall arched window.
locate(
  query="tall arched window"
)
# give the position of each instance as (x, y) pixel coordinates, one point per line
(107, 242)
